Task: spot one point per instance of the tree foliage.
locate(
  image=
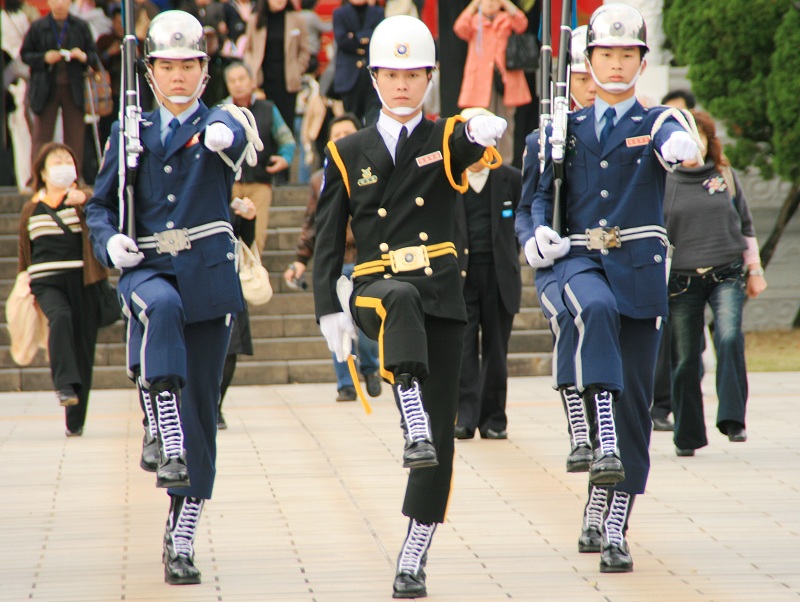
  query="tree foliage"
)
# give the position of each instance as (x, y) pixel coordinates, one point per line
(731, 47)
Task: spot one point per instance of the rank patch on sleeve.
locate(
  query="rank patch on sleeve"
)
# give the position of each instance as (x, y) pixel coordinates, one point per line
(429, 158)
(637, 141)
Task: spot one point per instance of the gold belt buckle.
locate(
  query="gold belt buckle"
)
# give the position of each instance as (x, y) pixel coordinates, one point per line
(409, 258)
(603, 238)
(172, 241)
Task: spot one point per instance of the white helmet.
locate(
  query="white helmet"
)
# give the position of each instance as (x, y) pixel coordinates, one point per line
(577, 49)
(617, 24)
(402, 42)
(175, 34)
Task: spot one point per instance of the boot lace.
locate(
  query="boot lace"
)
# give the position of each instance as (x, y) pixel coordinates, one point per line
(169, 423)
(186, 527)
(617, 515)
(413, 413)
(576, 415)
(604, 402)
(415, 547)
(595, 509)
(148, 410)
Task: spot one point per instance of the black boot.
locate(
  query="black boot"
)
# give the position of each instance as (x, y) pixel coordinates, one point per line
(178, 557)
(172, 470)
(419, 450)
(410, 579)
(592, 527)
(580, 455)
(606, 469)
(150, 455)
(615, 557)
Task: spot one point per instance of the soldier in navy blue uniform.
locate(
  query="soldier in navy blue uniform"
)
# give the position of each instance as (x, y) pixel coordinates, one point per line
(395, 182)
(179, 286)
(611, 262)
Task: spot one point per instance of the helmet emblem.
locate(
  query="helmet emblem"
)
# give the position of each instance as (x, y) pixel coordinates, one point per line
(401, 50)
(617, 29)
(177, 38)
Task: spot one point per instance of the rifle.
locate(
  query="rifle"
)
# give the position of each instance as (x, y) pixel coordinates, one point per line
(545, 117)
(130, 117)
(558, 137)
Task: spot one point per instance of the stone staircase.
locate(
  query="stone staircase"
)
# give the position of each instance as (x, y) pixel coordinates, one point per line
(287, 342)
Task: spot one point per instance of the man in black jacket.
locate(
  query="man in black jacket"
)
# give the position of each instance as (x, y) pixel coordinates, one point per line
(58, 48)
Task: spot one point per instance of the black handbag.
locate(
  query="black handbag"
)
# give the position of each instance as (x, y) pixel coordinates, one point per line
(522, 52)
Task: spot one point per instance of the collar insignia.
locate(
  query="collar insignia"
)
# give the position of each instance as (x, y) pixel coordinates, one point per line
(580, 118)
(636, 119)
(367, 178)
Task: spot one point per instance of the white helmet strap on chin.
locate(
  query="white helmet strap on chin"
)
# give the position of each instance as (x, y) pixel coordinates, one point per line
(158, 93)
(616, 87)
(403, 111)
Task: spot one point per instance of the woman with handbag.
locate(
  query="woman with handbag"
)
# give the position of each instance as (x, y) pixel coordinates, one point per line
(486, 26)
(65, 277)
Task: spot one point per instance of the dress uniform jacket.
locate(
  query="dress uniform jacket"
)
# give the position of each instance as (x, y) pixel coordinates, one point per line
(183, 186)
(504, 191)
(620, 185)
(392, 207)
(351, 55)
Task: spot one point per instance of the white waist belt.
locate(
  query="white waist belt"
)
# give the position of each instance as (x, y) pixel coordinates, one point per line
(613, 237)
(174, 241)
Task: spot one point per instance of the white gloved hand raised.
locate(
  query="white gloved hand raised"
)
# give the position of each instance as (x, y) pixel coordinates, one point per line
(486, 129)
(679, 147)
(535, 259)
(218, 136)
(123, 251)
(551, 245)
(339, 332)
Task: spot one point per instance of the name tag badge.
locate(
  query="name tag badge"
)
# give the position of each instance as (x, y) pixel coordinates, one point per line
(429, 158)
(637, 141)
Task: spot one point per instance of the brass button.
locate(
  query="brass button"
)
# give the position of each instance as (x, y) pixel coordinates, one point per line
(170, 224)
(419, 201)
(423, 236)
(604, 194)
(463, 273)
(171, 198)
(167, 169)
(428, 271)
(359, 64)
(387, 276)
(360, 51)
(603, 222)
(384, 247)
(604, 164)
(365, 40)
(382, 212)
(466, 251)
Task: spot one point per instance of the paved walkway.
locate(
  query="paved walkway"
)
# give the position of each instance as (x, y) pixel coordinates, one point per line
(308, 496)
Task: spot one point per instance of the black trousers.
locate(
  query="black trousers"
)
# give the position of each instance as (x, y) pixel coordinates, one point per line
(482, 400)
(72, 313)
(428, 347)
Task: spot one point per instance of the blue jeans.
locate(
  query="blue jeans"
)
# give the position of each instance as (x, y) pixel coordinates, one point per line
(367, 351)
(724, 292)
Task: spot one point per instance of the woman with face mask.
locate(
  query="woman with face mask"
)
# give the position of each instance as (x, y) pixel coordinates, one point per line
(54, 248)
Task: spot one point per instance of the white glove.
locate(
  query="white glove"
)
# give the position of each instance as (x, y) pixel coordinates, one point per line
(485, 129)
(551, 245)
(218, 136)
(123, 251)
(679, 147)
(339, 332)
(534, 257)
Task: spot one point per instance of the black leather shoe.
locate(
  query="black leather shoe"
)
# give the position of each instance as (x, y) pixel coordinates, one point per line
(684, 453)
(67, 397)
(580, 458)
(606, 470)
(373, 384)
(616, 559)
(420, 454)
(346, 394)
(663, 424)
(737, 434)
(407, 585)
(493, 434)
(590, 540)
(173, 474)
(180, 570)
(462, 432)
(149, 459)
(221, 424)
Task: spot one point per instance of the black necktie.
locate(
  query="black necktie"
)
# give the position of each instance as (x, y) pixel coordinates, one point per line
(173, 127)
(610, 114)
(401, 142)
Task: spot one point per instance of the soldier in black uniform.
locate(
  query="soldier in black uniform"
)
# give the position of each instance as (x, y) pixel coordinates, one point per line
(396, 180)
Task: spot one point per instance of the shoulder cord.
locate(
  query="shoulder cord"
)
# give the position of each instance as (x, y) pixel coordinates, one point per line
(245, 117)
(686, 121)
(491, 158)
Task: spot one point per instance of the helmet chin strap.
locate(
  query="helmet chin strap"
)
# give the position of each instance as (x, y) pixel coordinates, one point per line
(404, 111)
(575, 100)
(616, 87)
(158, 93)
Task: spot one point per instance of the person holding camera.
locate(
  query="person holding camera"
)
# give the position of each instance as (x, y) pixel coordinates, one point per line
(58, 47)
